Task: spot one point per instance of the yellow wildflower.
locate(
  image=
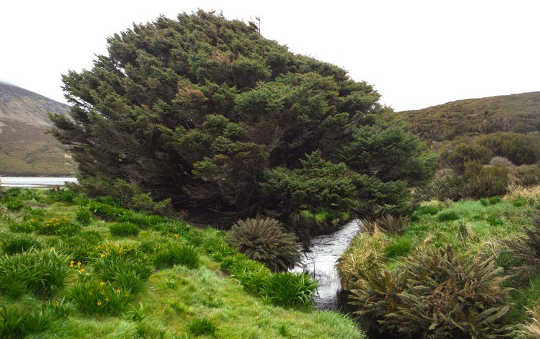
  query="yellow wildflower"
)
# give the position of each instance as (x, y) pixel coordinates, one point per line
(82, 270)
(99, 302)
(78, 264)
(102, 255)
(102, 283)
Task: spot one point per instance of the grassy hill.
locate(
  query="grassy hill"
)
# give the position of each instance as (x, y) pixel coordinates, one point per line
(77, 268)
(519, 113)
(25, 146)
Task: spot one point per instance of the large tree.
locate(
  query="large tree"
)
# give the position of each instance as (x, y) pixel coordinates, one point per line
(209, 113)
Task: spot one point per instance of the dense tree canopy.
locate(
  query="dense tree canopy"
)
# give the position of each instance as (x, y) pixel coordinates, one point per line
(209, 113)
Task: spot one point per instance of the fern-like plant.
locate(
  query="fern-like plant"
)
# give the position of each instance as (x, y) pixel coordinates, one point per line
(264, 240)
(527, 248)
(437, 293)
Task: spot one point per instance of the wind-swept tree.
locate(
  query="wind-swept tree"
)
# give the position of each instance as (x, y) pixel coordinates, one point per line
(209, 113)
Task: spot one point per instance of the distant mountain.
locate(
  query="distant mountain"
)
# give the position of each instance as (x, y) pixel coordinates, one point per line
(25, 147)
(519, 113)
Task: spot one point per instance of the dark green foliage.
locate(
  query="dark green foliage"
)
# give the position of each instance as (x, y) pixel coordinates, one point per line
(519, 202)
(448, 216)
(13, 204)
(22, 227)
(124, 268)
(435, 294)
(202, 326)
(518, 148)
(398, 248)
(58, 226)
(62, 195)
(105, 211)
(463, 153)
(40, 272)
(494, 221)
(84, 216)
(174, 253)
(207, 112)
(98, 297)
(494, 200)
(264, 240)
(124, 229)
(17, 323)
(18, 244)
(423, 210)
(80, 247)
(288, 289)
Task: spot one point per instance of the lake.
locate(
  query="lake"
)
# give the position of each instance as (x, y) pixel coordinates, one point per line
(35, 182)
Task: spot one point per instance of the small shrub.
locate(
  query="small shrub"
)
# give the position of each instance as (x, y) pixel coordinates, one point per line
(58, 226)
(519, 202)
(80, 247)
(434, 295)
(424, 210)
(18, 244)
(202, 327)
(527, 248)
(264, 240)
(289, 289)
(99, 297)
(62, 195)
(494, 200)
(494, 221)
(176, 254)
(124, 229)
(484, 202)
(105, 211)
(22, 227)
(13, 204)
(84, 216)
(41, 272)
(398, 248)
(447, 216)
(17, 323)
(125, 268)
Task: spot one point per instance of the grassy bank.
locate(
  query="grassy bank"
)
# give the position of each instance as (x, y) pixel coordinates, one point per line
(480, 229)
(73, 267)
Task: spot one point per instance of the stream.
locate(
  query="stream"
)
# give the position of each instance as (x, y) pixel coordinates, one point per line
(321, 259)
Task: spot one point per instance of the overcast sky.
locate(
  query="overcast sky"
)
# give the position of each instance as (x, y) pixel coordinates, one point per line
(415, 53)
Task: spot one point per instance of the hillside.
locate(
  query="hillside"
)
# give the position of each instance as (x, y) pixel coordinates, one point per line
(519, 113)
(25, 148)
(76, 268)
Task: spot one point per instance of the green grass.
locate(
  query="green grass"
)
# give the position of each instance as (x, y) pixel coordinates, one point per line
(170, 281)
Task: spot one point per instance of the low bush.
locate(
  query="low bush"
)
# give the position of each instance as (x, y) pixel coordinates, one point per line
(62, 195)
(80, 247)
(41, 272)
(18, 323)
(99, 297)
(84, 216)
(264, 240)
(436, 293)
(447, 216)
(124, 229)
(528, 175)
(174, 253)
(200, 327)
(398, 248)
(17, 244)
(289, 289)
(105, 211)
(527, 248)
(13, 204)
(58, 226)
(125, 268)
(22, 227)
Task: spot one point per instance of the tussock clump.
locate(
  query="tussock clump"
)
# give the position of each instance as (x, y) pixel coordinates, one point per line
(435, 294)
(527, 248)
(264, 240)
(532, 329)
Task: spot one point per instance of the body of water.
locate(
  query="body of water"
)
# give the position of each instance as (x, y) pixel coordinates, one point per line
(35, 182)
(321, 260)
